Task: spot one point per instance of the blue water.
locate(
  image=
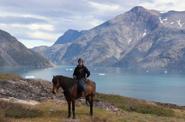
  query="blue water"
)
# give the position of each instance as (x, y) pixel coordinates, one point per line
(161, 87)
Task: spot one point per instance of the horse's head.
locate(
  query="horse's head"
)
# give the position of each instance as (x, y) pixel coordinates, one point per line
(56, 84)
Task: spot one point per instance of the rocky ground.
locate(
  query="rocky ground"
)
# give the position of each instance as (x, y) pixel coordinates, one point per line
(30, 91)
(26, 89)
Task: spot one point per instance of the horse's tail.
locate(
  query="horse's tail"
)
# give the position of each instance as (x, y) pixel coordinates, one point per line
(94, 88)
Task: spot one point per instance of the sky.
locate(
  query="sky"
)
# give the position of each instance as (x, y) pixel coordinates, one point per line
(41, 22)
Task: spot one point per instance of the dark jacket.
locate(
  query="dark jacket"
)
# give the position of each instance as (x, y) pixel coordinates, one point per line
(81, 72)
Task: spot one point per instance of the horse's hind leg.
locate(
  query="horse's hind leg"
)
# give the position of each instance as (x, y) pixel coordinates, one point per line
(69, 108)
(91, 106)
(73, 108)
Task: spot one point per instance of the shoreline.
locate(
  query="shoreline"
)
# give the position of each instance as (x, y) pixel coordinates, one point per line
(12, 78)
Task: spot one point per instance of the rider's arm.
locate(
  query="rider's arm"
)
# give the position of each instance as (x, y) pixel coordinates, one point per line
(87, 72)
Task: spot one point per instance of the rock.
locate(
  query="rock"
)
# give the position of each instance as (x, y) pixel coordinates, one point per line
(14, 100)
(106, 106)
(27, 89)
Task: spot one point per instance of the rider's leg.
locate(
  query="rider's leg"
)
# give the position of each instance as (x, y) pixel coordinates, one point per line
(82, 86)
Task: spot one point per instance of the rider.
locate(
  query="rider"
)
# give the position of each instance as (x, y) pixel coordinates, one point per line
(80, 74)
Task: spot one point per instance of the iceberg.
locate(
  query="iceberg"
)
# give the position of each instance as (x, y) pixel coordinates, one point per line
(30, 77)
(101, 74)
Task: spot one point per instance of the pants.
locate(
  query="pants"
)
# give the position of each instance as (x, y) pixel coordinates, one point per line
(81, 85)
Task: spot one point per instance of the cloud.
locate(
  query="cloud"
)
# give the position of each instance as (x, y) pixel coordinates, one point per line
(45, 27)
(165, 5)
(45, 20)
(34, 43)
(34, 27)
(22, 20)
(104, 7)
(39, 35)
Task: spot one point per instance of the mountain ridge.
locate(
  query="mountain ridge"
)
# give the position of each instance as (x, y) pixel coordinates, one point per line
(14, 53)
(69, 36)
(113, 43)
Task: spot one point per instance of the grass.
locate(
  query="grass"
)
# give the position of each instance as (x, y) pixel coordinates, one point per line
(133, 105)
(22, 112)
(15, 110)
(2, 119)
(56, 111)
(9, 76)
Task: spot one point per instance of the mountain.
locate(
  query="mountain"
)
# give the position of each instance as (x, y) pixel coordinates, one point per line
(106, 43)
(138, 39)
(14, 53)
(53, 53)
(161, 49)
(69, 36)
(57, 50)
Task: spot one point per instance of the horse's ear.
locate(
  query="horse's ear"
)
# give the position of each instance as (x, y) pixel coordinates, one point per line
(53, 78)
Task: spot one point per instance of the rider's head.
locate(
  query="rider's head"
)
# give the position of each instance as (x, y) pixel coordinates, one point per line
(80, 61)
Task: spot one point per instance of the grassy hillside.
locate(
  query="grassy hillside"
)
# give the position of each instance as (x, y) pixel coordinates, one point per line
(134, 105)
(55, 110)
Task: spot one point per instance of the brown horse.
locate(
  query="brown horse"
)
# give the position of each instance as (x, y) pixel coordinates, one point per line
(71, 93)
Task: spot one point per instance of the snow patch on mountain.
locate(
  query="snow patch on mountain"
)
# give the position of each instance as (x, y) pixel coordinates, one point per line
(145, 32)
(163, 20)
(129, 40)
(179, 23)
(171, 23)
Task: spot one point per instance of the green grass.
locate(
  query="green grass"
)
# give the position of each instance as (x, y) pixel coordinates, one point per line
(2, 118)
(133, 105)
(52, 111)
(9, 76)
(17, 110)
(22, 112)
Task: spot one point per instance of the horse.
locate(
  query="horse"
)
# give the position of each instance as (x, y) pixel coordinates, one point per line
(71, 93)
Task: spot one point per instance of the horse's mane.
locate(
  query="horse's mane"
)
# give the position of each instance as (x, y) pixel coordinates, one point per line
(63, 77)
(65, 80)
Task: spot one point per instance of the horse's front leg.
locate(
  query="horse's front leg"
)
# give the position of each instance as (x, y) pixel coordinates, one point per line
(69, 108)
(87, 101)
(73, 108)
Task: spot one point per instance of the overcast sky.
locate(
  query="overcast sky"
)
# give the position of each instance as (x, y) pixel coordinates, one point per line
(41, 22)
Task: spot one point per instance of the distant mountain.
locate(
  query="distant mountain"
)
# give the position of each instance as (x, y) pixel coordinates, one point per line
(161, 49)
(69, 36)
(53, 53)
(14, 53)
(138, 39)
